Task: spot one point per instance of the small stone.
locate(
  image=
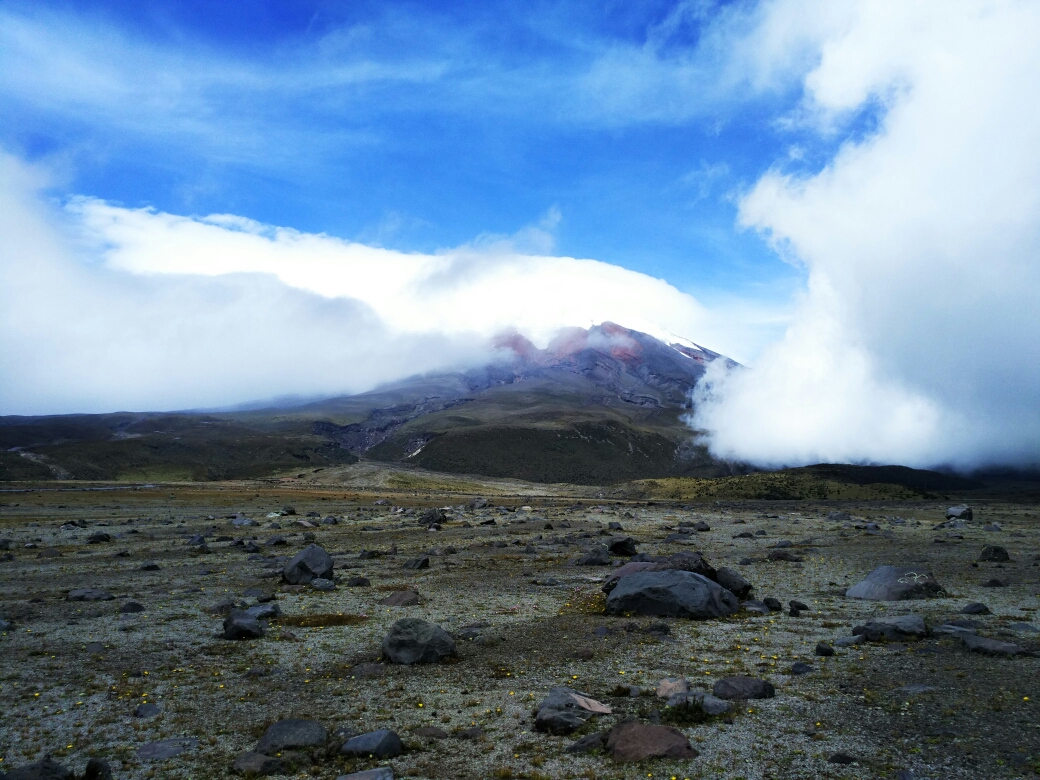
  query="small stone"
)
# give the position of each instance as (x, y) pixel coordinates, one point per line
(824, 649)
(995, 582)
(148, 710)
(358, 582)
(430, 732)
(98, 537)
(633, 741)
(312, 562)
(565, 710)
(773, 604)
(670, 686)
(733, 582)
(415, 564)
(793, 604)
(588, 743)
(741, 687)
(413, 641)
(800, 667)
(47, 769)
(980, 644)
(473, 732)
(976, 608)
(291, 734)
(130, 607)
(596, 557)
(165, 748)
(89, 594)
(383, 743)
(96, 769)
(841, 758)
(994, 554)
(241, 625)
(322, 584)
(401, 598)
(850, 641)
(379, 773)
(623, 545)
(253, 763)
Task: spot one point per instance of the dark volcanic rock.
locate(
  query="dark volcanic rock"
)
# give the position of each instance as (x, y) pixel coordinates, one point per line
(595, 557)
(672, 593)
(565, 710)
(242, 625)
(309, 563)
(165, 748)
(417, 563)
(130, 607)
(383, 743)
(89, 594)
(253, 763)
(635, 741)
(414, 641)
(994, 554)
(290, 734)
(97, 769)
(896, 583)
(623, 545)
(358, 582)
(588, 743)
(744, 688)
(784, 555)
(989, 646)
(47, 769)
(733, 582)
(896, 627)
(976, 608)
(401, 598)
(146, 710)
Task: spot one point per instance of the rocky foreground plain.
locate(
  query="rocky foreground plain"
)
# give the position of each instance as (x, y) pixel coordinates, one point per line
(201, 631)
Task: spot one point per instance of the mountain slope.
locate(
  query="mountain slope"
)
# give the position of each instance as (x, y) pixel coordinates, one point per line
(595, 406)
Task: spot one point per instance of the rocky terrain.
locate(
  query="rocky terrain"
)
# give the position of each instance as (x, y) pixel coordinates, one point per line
(307, 630)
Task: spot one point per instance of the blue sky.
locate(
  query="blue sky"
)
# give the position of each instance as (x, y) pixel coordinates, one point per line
(418, 126)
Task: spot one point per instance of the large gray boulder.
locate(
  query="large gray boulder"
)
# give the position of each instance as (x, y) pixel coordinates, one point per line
(896, 583)
(733, 582)
(241, 625)
(414, 641)
(383, 743)
(312, 562)
(671, 593)
(959, 512)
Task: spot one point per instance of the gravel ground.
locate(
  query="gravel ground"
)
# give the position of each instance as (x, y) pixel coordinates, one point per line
(65, 695)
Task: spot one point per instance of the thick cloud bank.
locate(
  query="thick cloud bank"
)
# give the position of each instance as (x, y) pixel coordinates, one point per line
(105, 308)
(918, 340)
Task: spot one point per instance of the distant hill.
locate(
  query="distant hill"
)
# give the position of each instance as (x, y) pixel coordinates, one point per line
(597, 406)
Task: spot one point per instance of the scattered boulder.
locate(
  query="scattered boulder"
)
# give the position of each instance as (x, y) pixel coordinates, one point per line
(732, 581)
(98, 537)
(565, 710)
(401, 598)
(166, 748)
(839, 516)
(383, 743)
(414, 641)
(322, 584)
(623, 545)
(96, 769)
(896, 627)
(291, 734)
(147, 710)
(595, 557)
(800, 667)
(131, 607)
(994, 553)
(634, 741)
(701, 526)
(824, 650)
(670, 686)
(415, 564)
(358, 582)
(742, 687)
(896, 583)
(674, 593)
(975, 608)
(46, 769)
(253, 763)
(588, 743)
(959, 512)
(89, 594)
(379, 773)
(310, 563)
(239, 624)
(784, 555)
(986, 646)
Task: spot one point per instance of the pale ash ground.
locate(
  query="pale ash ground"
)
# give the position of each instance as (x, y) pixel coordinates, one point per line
(981, 721)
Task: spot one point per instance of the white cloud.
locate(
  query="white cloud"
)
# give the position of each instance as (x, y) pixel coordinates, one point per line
(104, 308)
(918, 340)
